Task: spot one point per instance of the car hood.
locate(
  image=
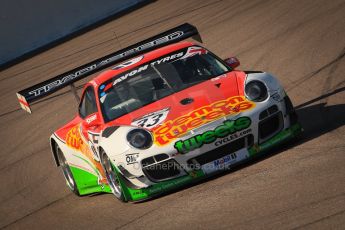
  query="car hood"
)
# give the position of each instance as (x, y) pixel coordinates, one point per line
(183, 111)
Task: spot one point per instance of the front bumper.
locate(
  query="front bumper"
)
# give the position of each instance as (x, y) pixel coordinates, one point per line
(137, 194)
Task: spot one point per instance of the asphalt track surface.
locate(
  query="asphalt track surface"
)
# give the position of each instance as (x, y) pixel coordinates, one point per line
(299, 185)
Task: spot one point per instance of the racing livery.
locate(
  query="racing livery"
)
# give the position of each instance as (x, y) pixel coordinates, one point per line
(165, 113)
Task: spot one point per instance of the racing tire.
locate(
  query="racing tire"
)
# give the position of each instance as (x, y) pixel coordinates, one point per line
(112, 177)
(66, 170)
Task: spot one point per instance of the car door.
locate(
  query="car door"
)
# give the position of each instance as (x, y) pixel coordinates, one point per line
(91, 126)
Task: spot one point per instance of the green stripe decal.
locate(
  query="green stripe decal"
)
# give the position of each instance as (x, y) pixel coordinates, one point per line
(282, 136)
(87, 162)
(87, 183)
(144, 193)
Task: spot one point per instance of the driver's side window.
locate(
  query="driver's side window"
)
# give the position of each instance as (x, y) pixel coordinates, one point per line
(88, 105)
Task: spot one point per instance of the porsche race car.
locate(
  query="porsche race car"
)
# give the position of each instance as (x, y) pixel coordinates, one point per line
(164, 114)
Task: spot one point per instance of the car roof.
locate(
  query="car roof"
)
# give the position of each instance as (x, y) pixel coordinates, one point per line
(110, 73)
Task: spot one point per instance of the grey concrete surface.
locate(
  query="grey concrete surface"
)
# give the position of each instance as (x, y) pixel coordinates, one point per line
(29, 25)
(298, 186)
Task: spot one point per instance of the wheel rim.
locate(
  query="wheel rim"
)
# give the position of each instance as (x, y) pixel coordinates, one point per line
(111, 176)
(66, 170)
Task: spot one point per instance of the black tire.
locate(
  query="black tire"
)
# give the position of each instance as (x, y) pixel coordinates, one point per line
(66, 170)
(112, 177)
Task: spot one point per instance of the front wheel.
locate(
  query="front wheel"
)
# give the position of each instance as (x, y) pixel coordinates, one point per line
(112, 177)
(67, 172)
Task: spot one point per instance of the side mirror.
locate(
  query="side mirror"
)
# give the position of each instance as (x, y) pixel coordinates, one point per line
(92, 120)
(233, 62)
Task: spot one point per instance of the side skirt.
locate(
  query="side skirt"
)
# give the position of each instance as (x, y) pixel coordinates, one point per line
(87, 183)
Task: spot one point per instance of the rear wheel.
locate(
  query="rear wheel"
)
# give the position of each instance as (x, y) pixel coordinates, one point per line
(112, 177)
(67, 171)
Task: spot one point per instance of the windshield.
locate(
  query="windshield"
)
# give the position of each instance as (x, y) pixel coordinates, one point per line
(159, 78)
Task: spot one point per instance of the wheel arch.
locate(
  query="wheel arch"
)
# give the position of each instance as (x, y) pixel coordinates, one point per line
(53, 145)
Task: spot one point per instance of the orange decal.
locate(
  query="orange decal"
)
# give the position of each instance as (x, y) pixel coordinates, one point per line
(74, 140)
(172, 129)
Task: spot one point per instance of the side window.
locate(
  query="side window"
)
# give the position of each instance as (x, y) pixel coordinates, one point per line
(88, 105)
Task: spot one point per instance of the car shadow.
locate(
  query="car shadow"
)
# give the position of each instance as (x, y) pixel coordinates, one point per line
(320, 118)
(316, 120)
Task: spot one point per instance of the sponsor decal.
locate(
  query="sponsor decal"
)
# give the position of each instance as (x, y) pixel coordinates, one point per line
(194, 50)
(172, 129)
(166, 59)
(93, 143)
(163, 186)
(232, 137)
(132, 158)
(128, 63)
(63, 80)
(223, 161)
(75, 141)
(145, 46)
(94, 137)
(91, 118)
(151, 120)
(228, 127)
(144, 67)
(129, 74)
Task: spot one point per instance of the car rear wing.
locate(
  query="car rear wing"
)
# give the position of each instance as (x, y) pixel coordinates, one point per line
(45, 88)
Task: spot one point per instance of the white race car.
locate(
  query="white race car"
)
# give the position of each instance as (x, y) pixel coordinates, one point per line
(166, 113)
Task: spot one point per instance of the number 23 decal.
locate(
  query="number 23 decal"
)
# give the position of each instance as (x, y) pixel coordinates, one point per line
(151, 120)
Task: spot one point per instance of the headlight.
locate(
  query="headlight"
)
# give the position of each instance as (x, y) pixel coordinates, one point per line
(256, 91)
(139, 138)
